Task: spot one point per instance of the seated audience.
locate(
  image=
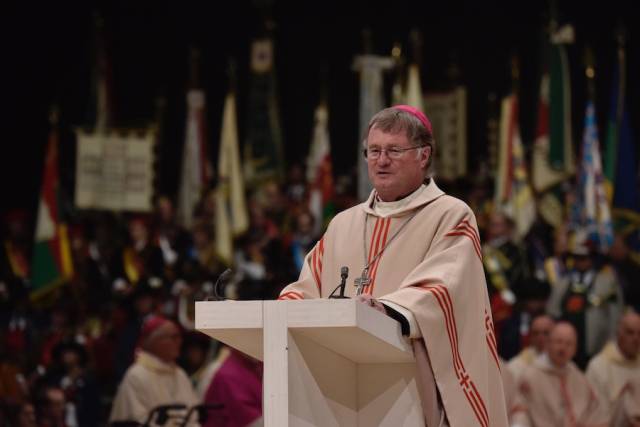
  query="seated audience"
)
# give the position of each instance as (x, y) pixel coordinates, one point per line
(154, 379)
(617, 367)
(538, 338)
(557, 393)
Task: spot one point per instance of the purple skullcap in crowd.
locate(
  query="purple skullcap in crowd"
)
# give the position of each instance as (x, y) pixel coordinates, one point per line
(417, 114)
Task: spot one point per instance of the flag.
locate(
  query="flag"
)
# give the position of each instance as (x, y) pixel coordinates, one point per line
(620, 167)
(232, 217)
(553, 156)
(196, 167)
(513, 193)
(560, 137)
(319, 170)
(263, 156)
(591, 214)
(51, 263)
(370, 68)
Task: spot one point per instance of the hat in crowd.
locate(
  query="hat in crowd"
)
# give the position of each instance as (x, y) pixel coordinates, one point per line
(143, 219)
(532, 289)
(70, 346)
(151, 325)
(579, 244)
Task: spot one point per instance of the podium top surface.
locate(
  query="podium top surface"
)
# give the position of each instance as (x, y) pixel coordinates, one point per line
(347, 327)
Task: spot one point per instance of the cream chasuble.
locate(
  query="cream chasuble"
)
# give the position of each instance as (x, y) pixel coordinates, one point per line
(433, 269)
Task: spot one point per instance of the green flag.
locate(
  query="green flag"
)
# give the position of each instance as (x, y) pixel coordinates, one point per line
(51, 263)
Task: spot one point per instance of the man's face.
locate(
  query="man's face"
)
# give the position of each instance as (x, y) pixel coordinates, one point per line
(629, 336)
(394, 178)
(166, 343)
(540, 330)
(562, 344)
(27, 416)
(55, 403)
(499, 226)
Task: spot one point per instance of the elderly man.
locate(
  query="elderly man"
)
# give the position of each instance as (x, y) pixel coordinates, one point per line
(556, 391)
(154, 379)
(616, 369)
(416, 254)
(538, 337)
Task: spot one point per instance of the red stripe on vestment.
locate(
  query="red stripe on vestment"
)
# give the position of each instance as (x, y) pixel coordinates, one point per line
(290, 295)
(377, 263)
(493, 353)
(491, 339)
(475, 231)
(567, 400)
(446, 305)
(380, 231)
(484, 408)
(373, 238)
(314, 269)
(466, 234)
(474, 397)
(449, 326)
(474, 407)
(320, 254)
(449, 306)
(466, 227)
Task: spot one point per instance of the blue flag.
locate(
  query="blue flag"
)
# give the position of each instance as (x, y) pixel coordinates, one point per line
(591, 212)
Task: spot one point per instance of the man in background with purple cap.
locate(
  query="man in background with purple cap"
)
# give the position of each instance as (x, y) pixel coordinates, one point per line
(416, 254)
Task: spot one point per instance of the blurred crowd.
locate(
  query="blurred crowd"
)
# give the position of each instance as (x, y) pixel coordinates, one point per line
(69, 354)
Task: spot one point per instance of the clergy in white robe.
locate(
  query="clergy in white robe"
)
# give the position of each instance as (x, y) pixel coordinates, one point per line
(154, 379)
(539, 337)
(626, 412)
(556, 392)
(416, 254)
(615, 371)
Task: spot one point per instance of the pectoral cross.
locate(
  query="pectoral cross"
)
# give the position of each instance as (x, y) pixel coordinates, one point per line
(362, 281)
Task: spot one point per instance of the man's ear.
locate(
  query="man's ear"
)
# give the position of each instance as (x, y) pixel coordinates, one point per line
(425, 156)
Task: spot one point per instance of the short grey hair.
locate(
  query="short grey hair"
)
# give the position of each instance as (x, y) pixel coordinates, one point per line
(392, 120)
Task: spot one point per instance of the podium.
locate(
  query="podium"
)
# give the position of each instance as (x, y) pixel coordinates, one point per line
(326, 362)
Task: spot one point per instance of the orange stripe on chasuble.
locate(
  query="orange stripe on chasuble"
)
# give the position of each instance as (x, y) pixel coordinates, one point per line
(491, 339)
(385, 232)
(473, 235)
(291, 295)
(471, 227)
(314, 269)
(320, 254)
(373, 238)
(461, 233)
(443, 298)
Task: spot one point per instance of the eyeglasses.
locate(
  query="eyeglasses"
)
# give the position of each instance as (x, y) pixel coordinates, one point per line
(393, 152)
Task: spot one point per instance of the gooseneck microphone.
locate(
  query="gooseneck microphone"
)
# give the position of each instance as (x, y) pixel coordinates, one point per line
(344, 273)
(221, 279)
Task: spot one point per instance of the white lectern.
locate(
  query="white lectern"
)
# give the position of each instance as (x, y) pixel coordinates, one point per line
(326, 362)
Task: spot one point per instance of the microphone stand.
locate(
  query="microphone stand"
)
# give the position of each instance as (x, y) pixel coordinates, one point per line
(344, 273)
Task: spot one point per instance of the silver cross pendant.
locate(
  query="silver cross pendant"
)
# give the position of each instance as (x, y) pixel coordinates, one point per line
(362, 281)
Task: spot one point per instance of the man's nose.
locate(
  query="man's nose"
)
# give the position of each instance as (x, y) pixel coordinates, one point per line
(384, 157)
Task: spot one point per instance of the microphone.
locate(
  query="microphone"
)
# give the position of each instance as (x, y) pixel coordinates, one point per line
(221, 279)
(344, 273)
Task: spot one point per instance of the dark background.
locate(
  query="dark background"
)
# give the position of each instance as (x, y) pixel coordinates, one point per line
(47, 58)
